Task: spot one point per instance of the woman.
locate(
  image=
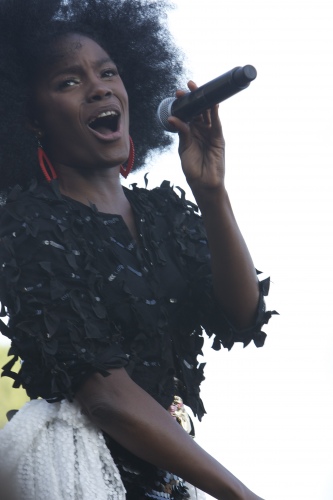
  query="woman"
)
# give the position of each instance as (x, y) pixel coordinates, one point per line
(108, 289)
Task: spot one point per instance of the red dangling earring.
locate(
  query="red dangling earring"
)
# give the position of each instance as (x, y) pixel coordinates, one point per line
(130, 162)
(42, 159)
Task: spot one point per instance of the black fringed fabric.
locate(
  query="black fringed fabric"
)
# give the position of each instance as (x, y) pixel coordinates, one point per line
(82, 296)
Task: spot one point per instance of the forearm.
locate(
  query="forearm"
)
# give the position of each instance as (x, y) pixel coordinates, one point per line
(136, 421)
(202, 153)
(234, 277)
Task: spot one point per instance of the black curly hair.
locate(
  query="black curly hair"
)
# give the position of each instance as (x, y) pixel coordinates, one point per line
(135, 35)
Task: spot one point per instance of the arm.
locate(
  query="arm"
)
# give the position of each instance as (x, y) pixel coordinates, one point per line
(202, 152)
(134, 419)
(115, 403)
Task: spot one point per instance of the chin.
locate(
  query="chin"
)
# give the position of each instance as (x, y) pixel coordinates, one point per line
(113, 160)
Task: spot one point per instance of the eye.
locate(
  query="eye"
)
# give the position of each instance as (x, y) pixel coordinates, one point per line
(109, 73)
(67, 83)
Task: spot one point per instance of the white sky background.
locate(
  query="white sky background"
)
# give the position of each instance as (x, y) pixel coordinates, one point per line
(270, 412)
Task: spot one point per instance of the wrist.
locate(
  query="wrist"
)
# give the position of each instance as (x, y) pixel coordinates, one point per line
(211, 198)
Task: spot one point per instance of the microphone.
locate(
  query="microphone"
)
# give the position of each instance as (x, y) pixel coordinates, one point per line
(194, 103)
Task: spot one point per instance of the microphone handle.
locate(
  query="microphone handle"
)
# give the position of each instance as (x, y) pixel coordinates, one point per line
(221, 88)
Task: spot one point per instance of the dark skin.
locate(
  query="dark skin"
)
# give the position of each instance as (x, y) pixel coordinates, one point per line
(80, 85)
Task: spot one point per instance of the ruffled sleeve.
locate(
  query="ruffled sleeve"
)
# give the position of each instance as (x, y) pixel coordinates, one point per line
(194, 257)
(50, 290)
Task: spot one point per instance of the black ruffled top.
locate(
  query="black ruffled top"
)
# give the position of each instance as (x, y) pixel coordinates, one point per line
(82, 296)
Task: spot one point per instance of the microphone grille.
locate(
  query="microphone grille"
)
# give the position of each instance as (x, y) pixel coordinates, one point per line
(163, 113)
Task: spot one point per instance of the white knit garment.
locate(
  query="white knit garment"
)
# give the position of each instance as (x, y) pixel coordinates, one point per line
(53, 452)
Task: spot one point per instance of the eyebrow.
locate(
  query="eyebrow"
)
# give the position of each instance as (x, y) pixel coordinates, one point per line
(77, 68)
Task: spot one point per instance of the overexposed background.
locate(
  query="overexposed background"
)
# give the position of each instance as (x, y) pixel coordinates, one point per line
(270, 412)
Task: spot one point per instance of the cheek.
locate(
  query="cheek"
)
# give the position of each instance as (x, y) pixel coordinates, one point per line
(59, 115)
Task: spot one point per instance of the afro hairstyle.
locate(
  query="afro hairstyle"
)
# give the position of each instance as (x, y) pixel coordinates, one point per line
(132, 32)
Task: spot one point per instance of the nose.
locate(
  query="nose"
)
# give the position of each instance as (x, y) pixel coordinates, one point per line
(98, 91)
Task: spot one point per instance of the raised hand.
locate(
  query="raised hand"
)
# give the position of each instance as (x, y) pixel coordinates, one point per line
(201, 148)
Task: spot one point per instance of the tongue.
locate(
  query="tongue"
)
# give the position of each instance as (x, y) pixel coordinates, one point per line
(103, 130)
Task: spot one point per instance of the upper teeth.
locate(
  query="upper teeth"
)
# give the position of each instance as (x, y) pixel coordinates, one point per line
(105, 113)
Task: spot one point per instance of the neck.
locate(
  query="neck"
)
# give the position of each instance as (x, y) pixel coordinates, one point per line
(102, 188)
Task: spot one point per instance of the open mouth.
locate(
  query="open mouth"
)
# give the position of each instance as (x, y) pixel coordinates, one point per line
(105, 123)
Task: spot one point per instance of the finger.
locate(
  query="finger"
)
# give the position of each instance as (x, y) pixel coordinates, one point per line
(209, 115)
(216, 122)
(181, 127)
(205, 116)
(192, 85)
(214, 115)
(180, 93)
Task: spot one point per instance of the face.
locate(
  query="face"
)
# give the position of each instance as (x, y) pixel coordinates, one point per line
(81, 107)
